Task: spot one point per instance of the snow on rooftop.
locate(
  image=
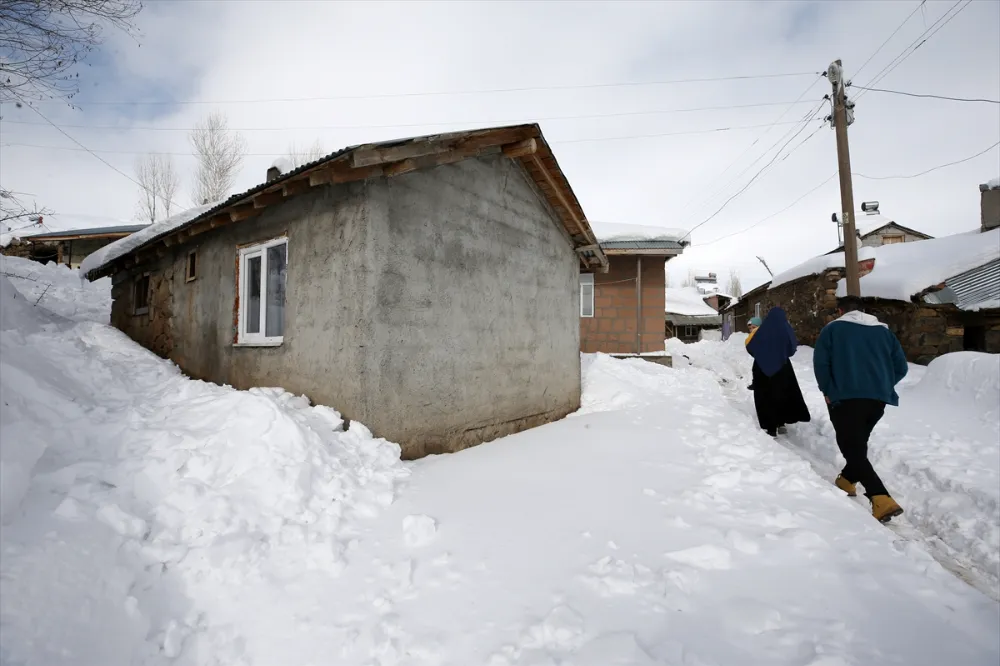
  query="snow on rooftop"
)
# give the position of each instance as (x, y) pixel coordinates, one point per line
(123, 246)
(688, 301)
(865, 224)
(817, 265)
(905, 269)
(611, 231)
(994, 184)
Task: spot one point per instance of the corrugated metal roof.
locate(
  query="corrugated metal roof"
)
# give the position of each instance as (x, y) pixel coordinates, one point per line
(694, 320)
(90, 231)
(972, 289)
(641, 245)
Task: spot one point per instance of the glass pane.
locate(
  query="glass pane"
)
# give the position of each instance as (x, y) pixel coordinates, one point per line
(274, 321)
(586, 300)
(253, 295)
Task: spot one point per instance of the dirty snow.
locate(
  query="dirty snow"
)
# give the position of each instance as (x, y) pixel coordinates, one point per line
(905, 269)
(688, 301)
(153, 519)
(817, 265)
(612, 231)
(123, 246)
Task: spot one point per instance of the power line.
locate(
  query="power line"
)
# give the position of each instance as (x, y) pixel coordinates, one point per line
(772, 215)
(757, 175)
(436, 93)
(953, 99)
(272, 154)
(889, 38)
(922, 173)
(922, 39)
(435, 123)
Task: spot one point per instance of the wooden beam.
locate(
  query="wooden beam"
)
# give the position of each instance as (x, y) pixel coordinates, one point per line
(426, 148)
(169, 240)
(588, 248)
(558, 193)
(293, 187)
(521, 148)
(243, 212)
(267, 198)
(399, 168)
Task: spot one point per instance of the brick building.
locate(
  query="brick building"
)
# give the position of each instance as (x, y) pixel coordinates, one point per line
(621, 311)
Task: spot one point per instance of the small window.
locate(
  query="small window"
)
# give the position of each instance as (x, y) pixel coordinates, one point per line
(888, 240)
(690, 332)
(587, 295)
(192, 266)
(263, 271)
(140, 295)
(756, 310)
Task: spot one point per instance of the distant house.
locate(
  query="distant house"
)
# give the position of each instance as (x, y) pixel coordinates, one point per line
(68, 247)
(689, 312)
(875, 230)
(427, 287)
(938, 296)
(621, 311)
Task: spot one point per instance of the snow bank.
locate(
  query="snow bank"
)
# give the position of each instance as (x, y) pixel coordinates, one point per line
(903, 270)
(59, 289)
(125, 245)
(688, 301)
(967, 381)
(611, 231)
(818, 265)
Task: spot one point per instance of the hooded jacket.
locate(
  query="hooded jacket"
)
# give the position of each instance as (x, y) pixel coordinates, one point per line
(857, 356)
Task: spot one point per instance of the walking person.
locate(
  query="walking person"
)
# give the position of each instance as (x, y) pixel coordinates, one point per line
(776, 393)
(858, 362)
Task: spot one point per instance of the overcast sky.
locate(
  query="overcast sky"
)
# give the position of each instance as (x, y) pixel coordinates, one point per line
(346, 73)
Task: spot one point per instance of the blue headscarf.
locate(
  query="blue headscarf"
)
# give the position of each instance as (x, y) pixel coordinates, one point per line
(773, 343)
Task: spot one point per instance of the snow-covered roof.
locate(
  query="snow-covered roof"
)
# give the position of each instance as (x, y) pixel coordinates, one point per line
(121, 247)
(865, 224)
(819, 264)
(993, 184)
(688, 301)
(612, 231)
(903, 270)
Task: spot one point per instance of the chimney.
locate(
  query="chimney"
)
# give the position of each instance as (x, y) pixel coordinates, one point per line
(989, 203)
(273, 172)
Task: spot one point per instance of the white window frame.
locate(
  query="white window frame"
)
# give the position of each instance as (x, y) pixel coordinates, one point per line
(244, 339)
(756, 310)
(587, 280)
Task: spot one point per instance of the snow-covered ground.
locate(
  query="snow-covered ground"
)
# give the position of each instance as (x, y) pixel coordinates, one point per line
(153, 519)
(938, 452)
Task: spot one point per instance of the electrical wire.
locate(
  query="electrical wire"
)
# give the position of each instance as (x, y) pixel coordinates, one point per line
(554, 142)
(428, 124)
(889, 38)
(436, 93)
(953, 99)
(923, 173)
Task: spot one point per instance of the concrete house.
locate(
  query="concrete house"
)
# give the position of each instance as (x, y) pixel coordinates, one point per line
(621, 310)
(426, 287)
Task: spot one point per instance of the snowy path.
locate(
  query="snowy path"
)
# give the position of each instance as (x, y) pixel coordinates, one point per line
(149, 519)
(939, 452)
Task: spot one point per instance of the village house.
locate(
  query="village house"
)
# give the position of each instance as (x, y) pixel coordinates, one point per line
(938, 296)
(69, 247)
(426, 287)
(689, 312)
(875, 230)
(621, 311)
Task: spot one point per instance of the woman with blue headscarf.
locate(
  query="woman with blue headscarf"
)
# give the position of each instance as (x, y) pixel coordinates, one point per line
(776, 393)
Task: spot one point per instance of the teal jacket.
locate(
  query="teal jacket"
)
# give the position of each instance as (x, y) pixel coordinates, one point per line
(857, 356)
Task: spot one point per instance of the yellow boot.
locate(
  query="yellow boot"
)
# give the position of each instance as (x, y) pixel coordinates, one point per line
(884, 508)
(850, 488)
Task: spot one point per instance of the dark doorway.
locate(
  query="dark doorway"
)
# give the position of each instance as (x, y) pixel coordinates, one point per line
(974, 338)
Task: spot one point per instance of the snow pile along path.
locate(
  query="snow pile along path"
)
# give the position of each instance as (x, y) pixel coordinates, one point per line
(59, 289)
(138, 505)
(938, 452)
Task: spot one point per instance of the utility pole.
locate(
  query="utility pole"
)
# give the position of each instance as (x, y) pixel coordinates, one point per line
(843, 115)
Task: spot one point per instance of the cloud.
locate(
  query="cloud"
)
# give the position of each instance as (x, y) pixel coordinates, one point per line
(358, 53)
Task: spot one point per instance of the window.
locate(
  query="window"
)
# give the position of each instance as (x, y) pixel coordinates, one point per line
(690, 331)
(888, 240)
(192, 267)
(756, 310)
(587, 295)
(262, 293)
(140, 295)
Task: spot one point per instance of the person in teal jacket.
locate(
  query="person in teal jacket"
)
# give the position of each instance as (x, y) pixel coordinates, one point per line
(858, 362)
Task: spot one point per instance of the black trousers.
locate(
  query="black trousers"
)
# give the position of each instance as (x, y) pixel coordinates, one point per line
(854, 421)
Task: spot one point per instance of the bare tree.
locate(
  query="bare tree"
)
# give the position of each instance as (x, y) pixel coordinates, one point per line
(220, 152)
(41, 41)
(299, 157)
(15, 213)
(689, 281)
(158, 186)
(735, 287)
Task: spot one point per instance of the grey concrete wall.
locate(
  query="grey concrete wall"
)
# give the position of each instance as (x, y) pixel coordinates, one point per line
(439, 307)
(989, 209)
